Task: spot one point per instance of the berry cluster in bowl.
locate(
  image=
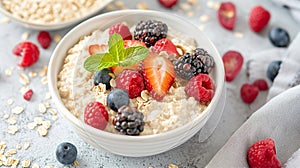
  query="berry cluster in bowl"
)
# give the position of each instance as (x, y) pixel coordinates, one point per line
(145, 78)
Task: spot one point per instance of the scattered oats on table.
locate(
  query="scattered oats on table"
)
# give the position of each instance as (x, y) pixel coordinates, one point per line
(24, 79)
(142, 6)
(204, 18)
(5, 20)
(17, 110)
(25, 36)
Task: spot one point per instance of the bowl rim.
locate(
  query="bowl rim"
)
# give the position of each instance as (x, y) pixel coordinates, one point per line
(54, 25)
(74, 120)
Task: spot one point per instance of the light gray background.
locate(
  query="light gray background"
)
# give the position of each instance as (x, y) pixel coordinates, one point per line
(190, 154)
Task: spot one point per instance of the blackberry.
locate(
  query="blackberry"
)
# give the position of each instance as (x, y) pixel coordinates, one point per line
(150, 31)
(191, 64)
(129, 121)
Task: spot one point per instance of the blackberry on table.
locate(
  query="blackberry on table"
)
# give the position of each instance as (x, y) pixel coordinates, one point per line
(191, 64)
(150, 31)
(129, 121)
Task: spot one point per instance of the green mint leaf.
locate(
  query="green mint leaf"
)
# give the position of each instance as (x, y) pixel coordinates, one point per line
(92, 62)
(106, 62)
(134, 55)
(116, 47)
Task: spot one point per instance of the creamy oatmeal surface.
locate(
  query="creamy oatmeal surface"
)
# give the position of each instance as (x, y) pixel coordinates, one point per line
(75, 85)
(50, 11)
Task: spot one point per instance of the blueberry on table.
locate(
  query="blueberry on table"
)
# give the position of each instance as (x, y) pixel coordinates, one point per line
(117, 98)
(66, 153)
(103, 76)
(279, 37)
(273, 69)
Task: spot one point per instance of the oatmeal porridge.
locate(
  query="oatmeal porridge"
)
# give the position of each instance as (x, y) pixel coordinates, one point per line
(50, 11)
(163, 87)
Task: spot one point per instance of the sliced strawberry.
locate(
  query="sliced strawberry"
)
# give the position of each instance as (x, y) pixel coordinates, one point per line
(159, 75)
(118, 69)
(97, 48)
(233, 62)
(128, 43)
(133, 43)
(227, 15)
(168, 3)
(165, 45)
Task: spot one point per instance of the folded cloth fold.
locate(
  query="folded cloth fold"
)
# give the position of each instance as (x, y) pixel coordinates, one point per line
(292, 5)
(278, 119)
(289, 72)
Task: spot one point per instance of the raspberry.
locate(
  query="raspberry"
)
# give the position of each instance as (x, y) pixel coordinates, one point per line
(28, 51)
(131, 81)
(261, 84)
(201, 87)
(249, 92)
(263, 154)
(259, 18)
(27, 95)
(96, 115)
(168, 3)
(44, 39)
(121, 29)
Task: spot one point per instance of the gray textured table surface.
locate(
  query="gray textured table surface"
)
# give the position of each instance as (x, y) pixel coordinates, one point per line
(190, 154)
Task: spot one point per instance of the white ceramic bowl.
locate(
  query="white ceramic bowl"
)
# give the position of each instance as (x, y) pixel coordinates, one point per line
(56, 25)
(135, 146)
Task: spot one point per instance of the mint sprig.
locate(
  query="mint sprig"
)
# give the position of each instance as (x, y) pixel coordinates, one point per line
(117, 55)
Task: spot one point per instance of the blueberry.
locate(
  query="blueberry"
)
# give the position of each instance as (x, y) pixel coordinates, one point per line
(273, 69)
(103, 76)
(117, 98)
(279, 37)
(66, 153)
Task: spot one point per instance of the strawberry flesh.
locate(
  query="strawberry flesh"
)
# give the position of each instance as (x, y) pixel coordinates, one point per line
(128, 43)
(233, 62)
(227, 15)
(168, 3)
(165, 45)
(97, 48)
(159, 75)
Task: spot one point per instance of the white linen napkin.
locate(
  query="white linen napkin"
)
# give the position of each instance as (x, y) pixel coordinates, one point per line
(289, 72)
(293, 5)
(279, 119)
